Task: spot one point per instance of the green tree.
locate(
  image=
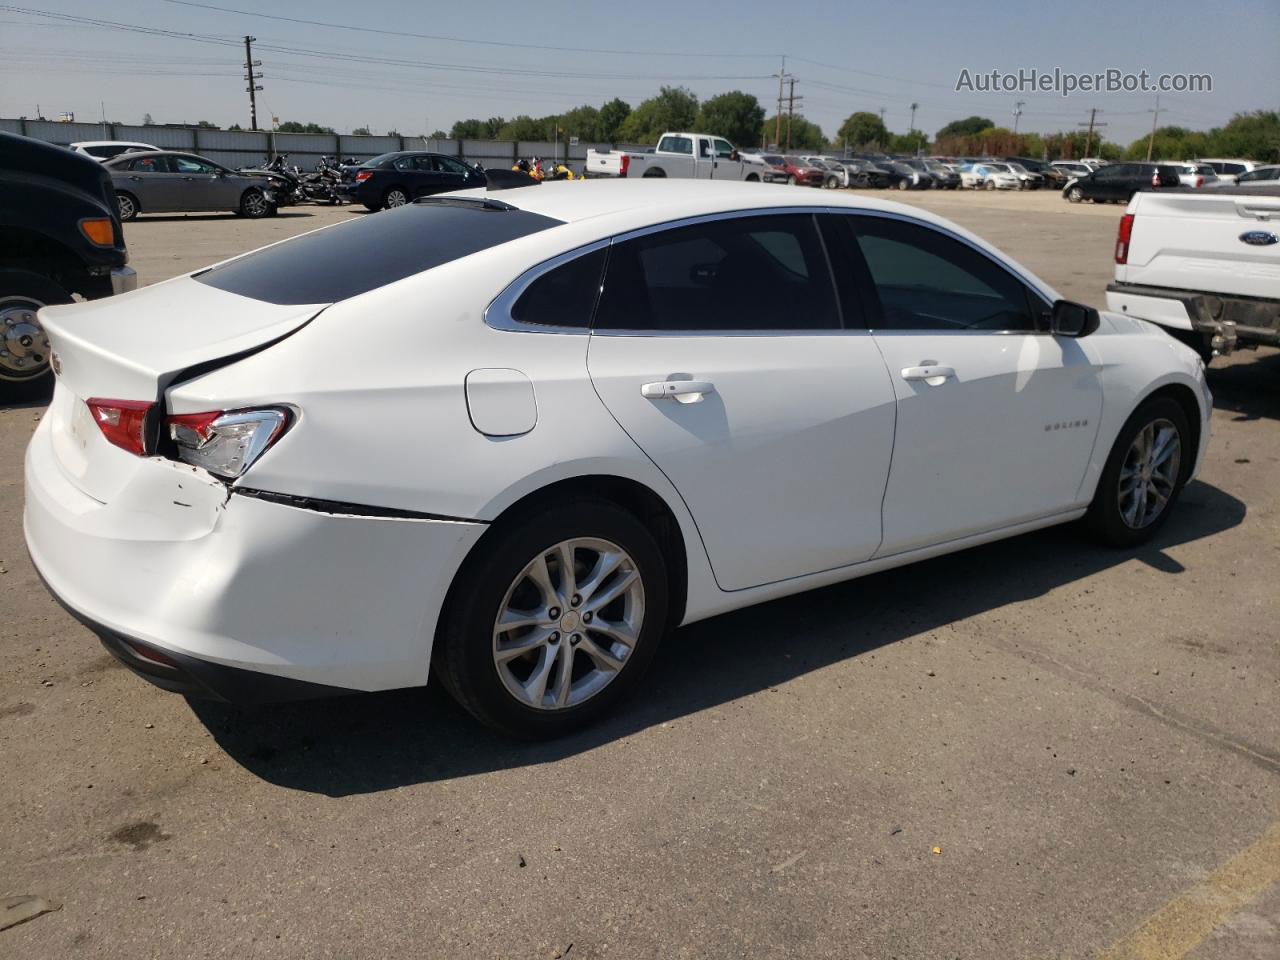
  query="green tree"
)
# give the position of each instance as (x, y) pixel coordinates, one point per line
(473, 129)
(293, 126)
(361, 132)
(146, 120)
(206, 125)
(235, 126)
(735, 115)
(393, 132)
(582, 122)
(526, 128)
(805, 135)
(863, 129)
(967, 127)
(612, 116)
(439, 135)
(674, 108)
(912, 142)
(1253, 135)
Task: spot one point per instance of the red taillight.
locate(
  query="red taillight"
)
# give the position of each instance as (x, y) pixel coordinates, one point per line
(624, 165)
(122, 422)
(1122, 238)
(226, 443)
(363, 175)
(1199, 181)
(1155, 179)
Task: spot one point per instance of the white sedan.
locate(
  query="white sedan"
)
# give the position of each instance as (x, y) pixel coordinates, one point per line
(516, 437)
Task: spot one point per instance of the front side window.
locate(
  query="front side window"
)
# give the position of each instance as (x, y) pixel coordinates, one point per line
(449, 165)
(742, 273)
(724, 149)
(187, 165)
(926, 280)
(564, 296)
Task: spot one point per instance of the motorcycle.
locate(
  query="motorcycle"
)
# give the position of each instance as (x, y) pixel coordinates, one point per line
(285, 183)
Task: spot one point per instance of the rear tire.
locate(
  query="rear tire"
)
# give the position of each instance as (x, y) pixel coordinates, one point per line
(990, 184)
(127, 204)
(395, 197)
(1124, 514)
(467, 657)
(903, 185)
(832, 182)
(24, 370)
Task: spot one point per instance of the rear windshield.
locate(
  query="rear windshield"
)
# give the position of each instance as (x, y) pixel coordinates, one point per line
(371, 251)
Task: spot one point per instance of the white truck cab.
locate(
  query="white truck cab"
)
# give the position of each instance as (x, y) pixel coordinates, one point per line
(690, 156)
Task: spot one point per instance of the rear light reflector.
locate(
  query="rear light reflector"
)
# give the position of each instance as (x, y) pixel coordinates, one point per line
(624, 164)
(152, 654)
(122, 422)
(226, 443)
(1123, 237)
(363, 175)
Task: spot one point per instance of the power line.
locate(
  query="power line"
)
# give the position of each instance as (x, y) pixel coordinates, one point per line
(702, 55)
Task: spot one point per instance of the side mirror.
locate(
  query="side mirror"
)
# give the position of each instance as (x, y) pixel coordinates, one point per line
(1069, 319)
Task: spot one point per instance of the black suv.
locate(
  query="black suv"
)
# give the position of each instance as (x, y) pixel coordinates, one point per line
(60, 235)
(394, 179)
(1118, 182)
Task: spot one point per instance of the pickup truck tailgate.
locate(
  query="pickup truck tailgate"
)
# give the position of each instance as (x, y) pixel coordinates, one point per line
(1226, 244)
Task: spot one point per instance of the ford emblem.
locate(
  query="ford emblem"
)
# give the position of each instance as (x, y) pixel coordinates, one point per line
(1259, 238)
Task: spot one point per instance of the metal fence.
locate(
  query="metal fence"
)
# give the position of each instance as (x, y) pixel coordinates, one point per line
(241, 148)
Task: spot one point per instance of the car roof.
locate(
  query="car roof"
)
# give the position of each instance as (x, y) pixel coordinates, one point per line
(111, 143)
(620, 204)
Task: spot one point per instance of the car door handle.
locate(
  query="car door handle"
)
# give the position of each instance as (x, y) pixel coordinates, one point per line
(930, 372)
(137, 179)
(682, 391)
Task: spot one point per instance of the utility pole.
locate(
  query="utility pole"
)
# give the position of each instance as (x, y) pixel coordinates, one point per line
(1093, 123)
(791, 108)
(249, 75)
(1017, 114)
(777, 117)
(1155, 118)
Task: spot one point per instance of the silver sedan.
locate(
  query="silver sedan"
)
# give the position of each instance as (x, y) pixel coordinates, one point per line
(160, 181)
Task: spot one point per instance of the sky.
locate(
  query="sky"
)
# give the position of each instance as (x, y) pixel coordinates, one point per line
(418, 67)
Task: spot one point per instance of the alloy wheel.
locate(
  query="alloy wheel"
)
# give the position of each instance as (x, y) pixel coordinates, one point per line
(1149, 473)
(127, 209)
(396, 198)
(568, 623)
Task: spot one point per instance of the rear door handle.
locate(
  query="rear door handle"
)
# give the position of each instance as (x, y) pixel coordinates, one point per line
(682, 391)
(929, 372)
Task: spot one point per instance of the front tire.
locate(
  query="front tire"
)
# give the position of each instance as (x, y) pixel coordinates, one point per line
(1075, 195)
(991, 185)
(1145, 472)
(24, 348)
(254, 204)
(553, 619)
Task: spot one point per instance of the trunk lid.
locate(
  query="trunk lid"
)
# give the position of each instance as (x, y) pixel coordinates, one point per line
(1197, 242)
(131, 347)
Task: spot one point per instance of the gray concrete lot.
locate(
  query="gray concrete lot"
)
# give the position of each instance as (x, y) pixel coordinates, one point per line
(1034, 749)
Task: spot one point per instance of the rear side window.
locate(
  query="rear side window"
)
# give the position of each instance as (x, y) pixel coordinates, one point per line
(564, 296)
(676, 145)
(361, 255)
(149, 165)
(741, 273)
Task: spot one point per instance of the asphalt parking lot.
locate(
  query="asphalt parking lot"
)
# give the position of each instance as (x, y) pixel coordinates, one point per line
(1034, 749)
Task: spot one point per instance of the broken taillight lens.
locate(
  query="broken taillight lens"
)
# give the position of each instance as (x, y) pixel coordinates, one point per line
(122, 422)
(226, 443)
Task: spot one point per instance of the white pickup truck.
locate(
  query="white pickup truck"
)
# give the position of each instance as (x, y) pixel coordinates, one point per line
(1204, 265)
(691, 156)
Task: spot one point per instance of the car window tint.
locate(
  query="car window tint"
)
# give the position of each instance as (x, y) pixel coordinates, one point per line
(724, 149)
(449, 165)
(404, 163)
(425, 164)
(925, 280)
(564, 296)
(676, 145)
(318, 267)
(741, 273)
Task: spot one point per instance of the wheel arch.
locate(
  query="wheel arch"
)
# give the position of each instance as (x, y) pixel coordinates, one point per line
(1185, 397)
(637, 498)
